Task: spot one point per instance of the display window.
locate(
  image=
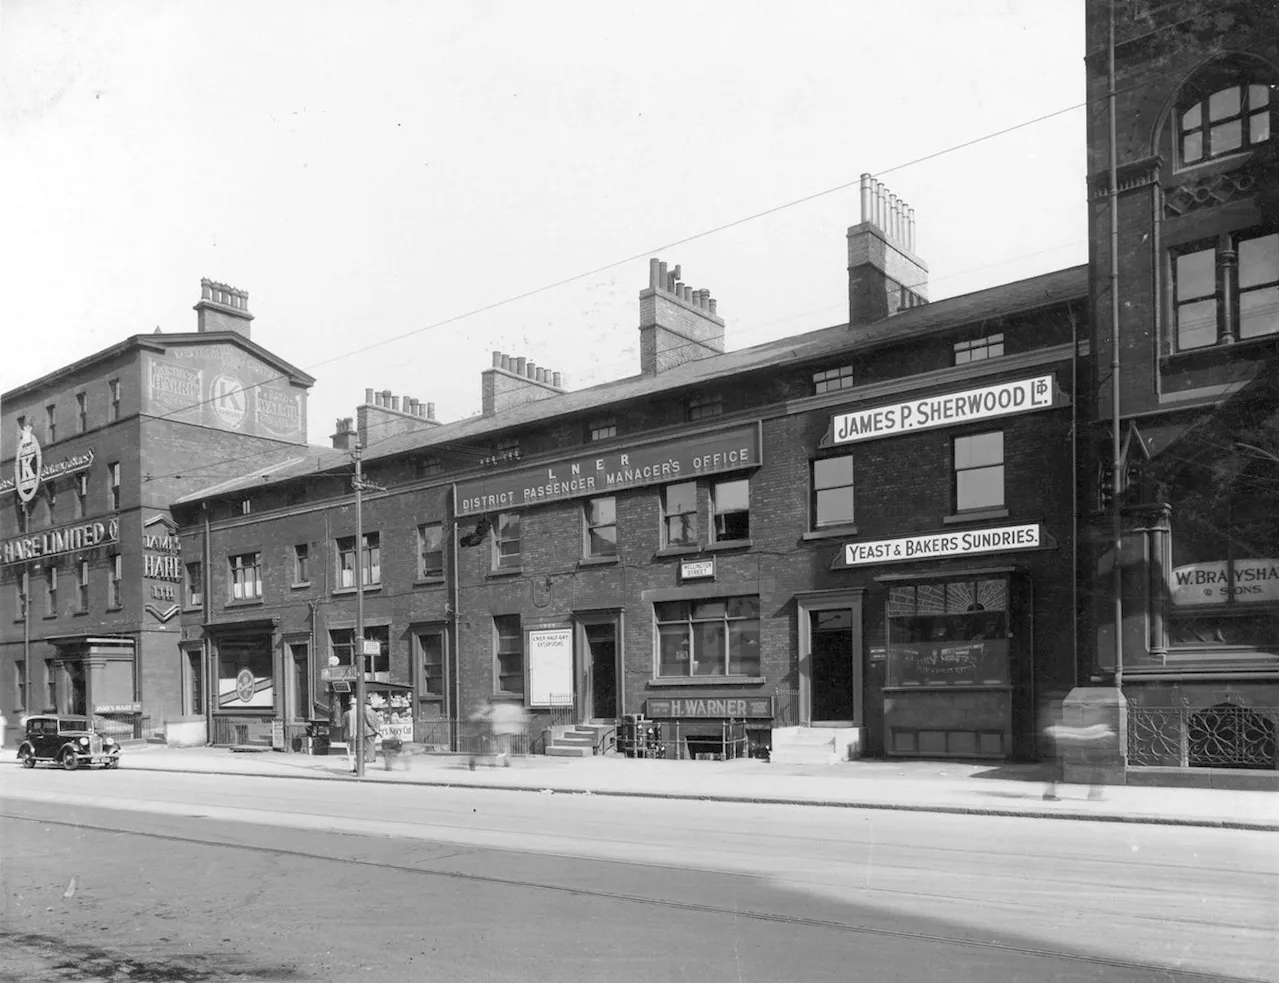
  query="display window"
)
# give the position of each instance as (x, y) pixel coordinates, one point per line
(948, 633)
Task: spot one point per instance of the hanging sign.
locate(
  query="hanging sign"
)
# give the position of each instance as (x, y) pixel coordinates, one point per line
(55, 469)
(26, 465)
(1004, 539)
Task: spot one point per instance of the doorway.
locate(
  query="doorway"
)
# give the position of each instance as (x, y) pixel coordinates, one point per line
(831, 664)
(597, 668)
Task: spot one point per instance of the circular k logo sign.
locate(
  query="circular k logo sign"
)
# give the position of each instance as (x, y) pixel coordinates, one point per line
(26, 465)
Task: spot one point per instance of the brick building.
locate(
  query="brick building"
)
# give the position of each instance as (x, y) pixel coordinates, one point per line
(93, 454)
(1188, 272)
(855, 540)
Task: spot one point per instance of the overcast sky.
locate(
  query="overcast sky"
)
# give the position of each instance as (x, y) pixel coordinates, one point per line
(369, 169)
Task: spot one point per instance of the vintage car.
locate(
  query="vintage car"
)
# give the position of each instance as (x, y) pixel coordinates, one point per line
(66, 739)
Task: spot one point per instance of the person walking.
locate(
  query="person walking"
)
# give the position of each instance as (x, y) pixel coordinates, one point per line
(1063, 738)
(370, 730)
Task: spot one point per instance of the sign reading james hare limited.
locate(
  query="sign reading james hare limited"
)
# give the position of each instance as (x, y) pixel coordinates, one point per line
(609, 471)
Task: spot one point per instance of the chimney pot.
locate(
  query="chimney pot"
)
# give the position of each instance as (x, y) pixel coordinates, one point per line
(711, 302)
(653, 272)
(497, 360)
(368, 396)
(395, 403)
(431, 411)
(530, 370)
(556, 380)
(662, 277)
(520, 364)
(506, 363)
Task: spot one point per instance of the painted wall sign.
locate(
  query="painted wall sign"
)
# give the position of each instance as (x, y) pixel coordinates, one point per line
(600, 474)
(1245, 581)
(550, 667)
(1004, 539)
(1004, 399)
(224, 387)
(161, 561)
(736, 706)
(698, 569)
(56, 469)
(68, 539)
(26, 465)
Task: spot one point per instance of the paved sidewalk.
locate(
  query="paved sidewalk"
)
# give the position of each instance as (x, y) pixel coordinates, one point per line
(927, 786)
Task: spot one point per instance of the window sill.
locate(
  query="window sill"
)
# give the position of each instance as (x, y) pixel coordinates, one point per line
(192, 607)
(117, 607)
(429, 582)
(677, 551)
(253, 602)
(598, 561)
(505, 572)
(976, 515)
(352, 590)
(729, 544)
(1213, 354)
(48, 617)
(660, 682)
(830, 532)
(299, 584)
(80, 613)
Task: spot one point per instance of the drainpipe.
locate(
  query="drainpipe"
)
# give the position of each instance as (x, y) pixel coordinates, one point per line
(1075, 498)
(206, 646)
(26, 620)
(1117, 483)
(454, 641)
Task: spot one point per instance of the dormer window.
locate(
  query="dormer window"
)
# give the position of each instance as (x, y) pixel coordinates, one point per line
(1224, 111)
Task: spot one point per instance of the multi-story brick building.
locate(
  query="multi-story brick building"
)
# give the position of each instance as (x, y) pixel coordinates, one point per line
(93, 454)
(859, 538)
(1184, 316)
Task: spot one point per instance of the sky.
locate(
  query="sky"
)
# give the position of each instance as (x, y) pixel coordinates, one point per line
(405, 187)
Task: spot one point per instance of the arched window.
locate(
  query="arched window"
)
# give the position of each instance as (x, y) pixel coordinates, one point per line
(1227, 108)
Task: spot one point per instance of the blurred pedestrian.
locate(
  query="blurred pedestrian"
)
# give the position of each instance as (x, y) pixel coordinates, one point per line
(1062, 739)
(508, 721)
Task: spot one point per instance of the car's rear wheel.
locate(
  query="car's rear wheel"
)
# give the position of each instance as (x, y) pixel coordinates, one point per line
(69, 760)
(26, 757)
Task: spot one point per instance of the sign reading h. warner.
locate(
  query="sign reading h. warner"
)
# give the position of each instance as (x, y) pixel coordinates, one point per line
(616, 470)
(1004, 399)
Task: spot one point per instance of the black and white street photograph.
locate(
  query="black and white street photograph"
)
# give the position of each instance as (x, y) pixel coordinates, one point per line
(505, 492)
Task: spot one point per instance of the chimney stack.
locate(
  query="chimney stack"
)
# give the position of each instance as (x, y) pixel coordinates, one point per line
(885, 274)
(513, 380)
(677, 323)
(344, 435)
(383, 415)
(222, 308)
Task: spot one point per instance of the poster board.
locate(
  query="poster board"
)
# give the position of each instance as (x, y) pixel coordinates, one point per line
(550, 666)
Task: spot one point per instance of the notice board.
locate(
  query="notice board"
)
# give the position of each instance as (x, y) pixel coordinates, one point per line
(550, 667)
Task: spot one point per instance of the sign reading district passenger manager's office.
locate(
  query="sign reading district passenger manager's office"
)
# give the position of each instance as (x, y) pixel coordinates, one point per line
(972, 542)
(609, 471)
(948, 410)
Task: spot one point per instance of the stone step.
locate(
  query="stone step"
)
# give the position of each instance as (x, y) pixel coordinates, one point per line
(570, 751)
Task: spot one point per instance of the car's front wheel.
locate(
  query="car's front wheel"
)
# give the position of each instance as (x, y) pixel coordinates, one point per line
(111, 763)
(69, 760)
(27, 757)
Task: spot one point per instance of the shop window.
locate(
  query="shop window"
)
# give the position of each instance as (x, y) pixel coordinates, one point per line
(194, 585)
(115, 580)
(20, 684)
(246, 677)
(82, 412)
(82, 495)
(979, 349)
(831, 380)
(301, 564)
(430, 646)
(948, 633)
(979, 471)
(370, 561)
(602, 428)
(113, 484)
(113, 389)
(508, 662)
(602, 527)
(713, 637)
(50, 591)
(51, 414)
(1223, 111)
(246, 576)
(831, 501)
(82, 588)
(430, 551)
(703, 408)
(50, 686)
(680, 514)
(1224, 290)
(731, 508)
(506, 541)
(342, 644)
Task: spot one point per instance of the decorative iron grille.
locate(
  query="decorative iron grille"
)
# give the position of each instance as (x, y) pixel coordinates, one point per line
(1225, 735)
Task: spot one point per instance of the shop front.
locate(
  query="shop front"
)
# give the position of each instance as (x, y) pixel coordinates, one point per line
(245, 711)
(711, 727)
(93, 675)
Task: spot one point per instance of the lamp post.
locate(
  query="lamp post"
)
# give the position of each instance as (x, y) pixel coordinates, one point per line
(361, 486)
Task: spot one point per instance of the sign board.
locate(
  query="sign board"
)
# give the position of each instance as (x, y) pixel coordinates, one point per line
(118, 708)
(333, 674)
(990, 402)
(1216, 582)
(67, 539)
(758, 707)
(550, 666)
(610, 471)
(698, 569)
(277, 734)
(26, 465)
(1004, 539)
(371, 647)
(55, 469)
(340, 686)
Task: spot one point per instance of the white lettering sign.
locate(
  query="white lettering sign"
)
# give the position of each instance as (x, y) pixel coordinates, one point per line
(1245, 581)
(1004, 399)
(550, 667)
(974, 541)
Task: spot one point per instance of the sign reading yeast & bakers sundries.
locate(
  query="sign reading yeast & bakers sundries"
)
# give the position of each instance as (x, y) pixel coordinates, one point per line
(951, 409)
(1003, 539)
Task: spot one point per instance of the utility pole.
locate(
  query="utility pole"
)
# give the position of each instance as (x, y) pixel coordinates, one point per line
(360, 486)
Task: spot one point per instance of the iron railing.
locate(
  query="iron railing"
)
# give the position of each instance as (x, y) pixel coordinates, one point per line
(125, 726)
(786, 708)
(1225, 735)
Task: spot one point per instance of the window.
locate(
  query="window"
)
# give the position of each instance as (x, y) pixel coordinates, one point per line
(114, 387)
(51, 411)
(602, 526)
(431, 661)
(82, 587)
(20, 596)
(830, 380)
(50, 685)
(1224, 290)
(1223, 119)
(50, 591)
(51, 495)
(430, 551)
(113, 473)
(948, 633)
(832, 502)
(506, 449)
(342, 644)
(195, 585)
(114, 581)
(979, 471)
(602, 428)
(703, 407)
(731, 507)
(370, 561)
(979, 349)
(506, 541)
(302, 563)
(246, 506)
(680, 514)
(508, 667)
(82, 412)
(425, 467)
(20, 683)
(714, 637)
(82, 495)
(246, 576)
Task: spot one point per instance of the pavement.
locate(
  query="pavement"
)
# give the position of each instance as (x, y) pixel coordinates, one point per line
(920, 786)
